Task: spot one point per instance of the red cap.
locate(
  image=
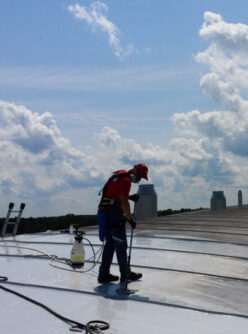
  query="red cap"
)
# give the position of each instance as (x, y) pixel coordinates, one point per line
(143, 170)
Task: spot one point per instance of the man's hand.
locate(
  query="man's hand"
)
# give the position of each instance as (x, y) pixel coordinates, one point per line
(132, 223)
(134, 197)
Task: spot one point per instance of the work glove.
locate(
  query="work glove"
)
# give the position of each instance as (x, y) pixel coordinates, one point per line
(132, 223)
(134, 197)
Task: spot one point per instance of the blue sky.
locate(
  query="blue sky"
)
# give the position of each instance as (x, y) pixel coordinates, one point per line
(88, 87)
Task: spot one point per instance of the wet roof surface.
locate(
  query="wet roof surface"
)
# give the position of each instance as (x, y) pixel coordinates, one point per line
(195, 275)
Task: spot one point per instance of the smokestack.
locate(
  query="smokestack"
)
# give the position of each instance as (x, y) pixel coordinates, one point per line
(240, 199)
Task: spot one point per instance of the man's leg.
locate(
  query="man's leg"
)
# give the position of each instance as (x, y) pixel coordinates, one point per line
(107, 257)
(120, 242)
(120, 239)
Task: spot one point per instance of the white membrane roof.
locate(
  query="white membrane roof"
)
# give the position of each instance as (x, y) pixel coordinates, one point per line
(195, 279)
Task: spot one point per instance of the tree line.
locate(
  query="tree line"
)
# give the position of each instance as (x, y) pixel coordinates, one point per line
(43, 224)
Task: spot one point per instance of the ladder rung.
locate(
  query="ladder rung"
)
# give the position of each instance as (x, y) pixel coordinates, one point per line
(13, 221)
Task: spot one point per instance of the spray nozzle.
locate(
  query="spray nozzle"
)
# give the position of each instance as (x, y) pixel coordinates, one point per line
(79, 235)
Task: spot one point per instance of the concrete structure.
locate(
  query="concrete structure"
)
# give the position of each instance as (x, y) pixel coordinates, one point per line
(218, 200)
(146, 207)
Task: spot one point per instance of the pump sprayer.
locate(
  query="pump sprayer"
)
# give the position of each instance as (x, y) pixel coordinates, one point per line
(77, 252)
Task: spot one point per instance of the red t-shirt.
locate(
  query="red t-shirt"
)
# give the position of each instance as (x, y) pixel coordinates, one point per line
(119, 186)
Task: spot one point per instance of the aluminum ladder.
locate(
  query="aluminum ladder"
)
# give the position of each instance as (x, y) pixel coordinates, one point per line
(15, 222)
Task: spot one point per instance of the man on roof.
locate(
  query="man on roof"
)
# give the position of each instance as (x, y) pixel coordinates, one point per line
(113, 212)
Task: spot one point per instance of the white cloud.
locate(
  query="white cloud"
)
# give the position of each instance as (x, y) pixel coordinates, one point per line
(227, 36)
(47, 172)
(148, 50)
(32, 131)
(40, 166)
(226, 83)
(218, 138)
(227, 58)
(96, 17)
(34, 145)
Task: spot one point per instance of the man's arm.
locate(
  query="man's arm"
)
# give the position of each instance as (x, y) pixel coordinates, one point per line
(126, 207)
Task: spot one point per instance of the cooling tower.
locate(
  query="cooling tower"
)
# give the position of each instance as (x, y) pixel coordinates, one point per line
(146, 207)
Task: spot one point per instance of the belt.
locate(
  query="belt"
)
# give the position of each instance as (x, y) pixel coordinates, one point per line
(107, 201)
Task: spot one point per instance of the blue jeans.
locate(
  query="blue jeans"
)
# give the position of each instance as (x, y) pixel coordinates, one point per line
(116, 241)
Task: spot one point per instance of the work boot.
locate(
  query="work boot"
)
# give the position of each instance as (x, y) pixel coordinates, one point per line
(105, 278)
(131, 276)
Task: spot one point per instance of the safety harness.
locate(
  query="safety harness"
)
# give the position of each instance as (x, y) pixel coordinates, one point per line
(107, 201)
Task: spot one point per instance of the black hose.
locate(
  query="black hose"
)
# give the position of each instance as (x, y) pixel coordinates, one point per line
(92, 327)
